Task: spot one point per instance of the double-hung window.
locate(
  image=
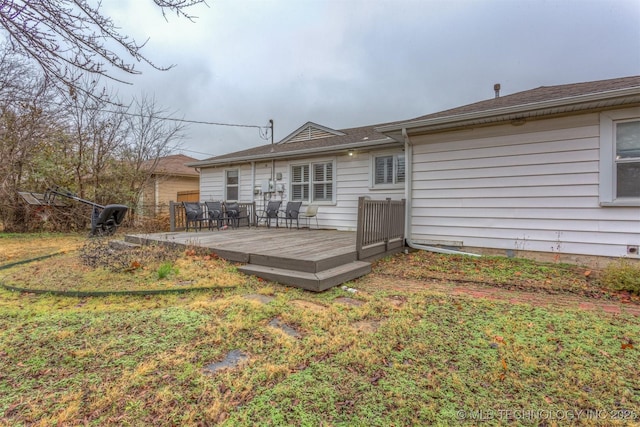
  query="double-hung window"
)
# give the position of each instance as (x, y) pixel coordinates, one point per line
(620, 157)
(231, 184)
(388, 170)
(627, 168)
(313, 182)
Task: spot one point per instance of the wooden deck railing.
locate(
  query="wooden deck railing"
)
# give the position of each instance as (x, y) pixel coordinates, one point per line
(380, 226)
(178, 218)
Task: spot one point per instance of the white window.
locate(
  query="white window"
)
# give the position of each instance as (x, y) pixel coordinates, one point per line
(388, 170)
(620, 157)
(231, 184)
(313, 182)
(627, 168)
(300, 183)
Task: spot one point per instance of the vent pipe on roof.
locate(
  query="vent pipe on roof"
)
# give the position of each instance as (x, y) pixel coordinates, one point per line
(496, 88)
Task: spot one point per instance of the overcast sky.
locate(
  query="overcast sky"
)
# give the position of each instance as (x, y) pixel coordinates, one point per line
(349, 63)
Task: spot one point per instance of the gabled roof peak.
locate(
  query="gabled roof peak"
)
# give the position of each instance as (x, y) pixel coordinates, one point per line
(309, 131)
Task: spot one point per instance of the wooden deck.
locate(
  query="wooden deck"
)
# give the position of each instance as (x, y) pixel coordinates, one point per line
(310, 259)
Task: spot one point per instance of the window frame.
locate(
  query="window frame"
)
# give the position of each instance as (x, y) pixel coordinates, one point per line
(608, 162)
(311, 182)
(227, 185)
(392, 185)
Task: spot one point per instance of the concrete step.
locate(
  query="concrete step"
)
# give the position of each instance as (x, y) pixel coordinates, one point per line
(316, 282)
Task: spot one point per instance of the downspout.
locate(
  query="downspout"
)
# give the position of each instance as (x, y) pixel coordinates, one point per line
(408, 187)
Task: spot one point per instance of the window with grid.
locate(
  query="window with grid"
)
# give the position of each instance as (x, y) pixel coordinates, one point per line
(627, 159)
(323, 182)
(231, 184)
(300, 183)
(388, 170)
(312, 182)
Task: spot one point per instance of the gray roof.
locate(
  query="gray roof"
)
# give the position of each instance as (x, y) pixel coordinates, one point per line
(544, 100)
(352, 138)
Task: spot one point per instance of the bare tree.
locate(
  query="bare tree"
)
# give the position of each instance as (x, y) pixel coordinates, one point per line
(68, 38)
(150, 137)
(28, 127)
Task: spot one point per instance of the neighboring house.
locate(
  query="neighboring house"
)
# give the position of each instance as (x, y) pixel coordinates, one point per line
(553, 170)
(171, 180)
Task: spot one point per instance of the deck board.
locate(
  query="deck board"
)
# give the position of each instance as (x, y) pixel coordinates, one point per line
(307, 245)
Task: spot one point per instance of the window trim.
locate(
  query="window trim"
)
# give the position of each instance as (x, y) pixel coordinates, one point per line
(607, 165)
(226, 185)
(310, 183)
(372, 174)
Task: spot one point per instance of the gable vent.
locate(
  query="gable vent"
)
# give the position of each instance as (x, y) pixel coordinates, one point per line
(310, 132)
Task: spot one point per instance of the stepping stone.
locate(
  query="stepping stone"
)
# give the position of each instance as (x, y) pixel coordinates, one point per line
(308, 305)
(349, 301)
(231, 360)
(263, 299)
(277, 323)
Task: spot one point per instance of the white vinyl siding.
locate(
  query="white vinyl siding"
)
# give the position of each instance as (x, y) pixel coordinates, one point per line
(533, 187)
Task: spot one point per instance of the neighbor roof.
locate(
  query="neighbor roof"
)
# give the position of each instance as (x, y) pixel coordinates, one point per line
(544, 100)
(175, 164)
(290, 147)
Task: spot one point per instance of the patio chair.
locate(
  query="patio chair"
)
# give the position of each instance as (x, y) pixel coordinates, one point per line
(311, 212)
(194, 215)
(214, 209)
(271, 212)
(235, 213)
(291, 213)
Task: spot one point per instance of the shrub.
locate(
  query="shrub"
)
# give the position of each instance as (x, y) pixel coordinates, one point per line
(622, 275)
(165, 270)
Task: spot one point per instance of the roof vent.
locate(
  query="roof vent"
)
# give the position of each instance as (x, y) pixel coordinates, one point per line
(496, 88)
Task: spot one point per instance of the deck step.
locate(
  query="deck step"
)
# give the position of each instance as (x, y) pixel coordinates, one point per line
(316, 282)
(328, 260)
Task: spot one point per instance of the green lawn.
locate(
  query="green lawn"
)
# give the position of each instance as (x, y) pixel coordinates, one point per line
(375, 357)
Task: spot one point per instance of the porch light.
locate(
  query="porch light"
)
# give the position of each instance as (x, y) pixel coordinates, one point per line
(350, 153)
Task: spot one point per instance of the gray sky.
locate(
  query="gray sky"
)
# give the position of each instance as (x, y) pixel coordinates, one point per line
(349, 63)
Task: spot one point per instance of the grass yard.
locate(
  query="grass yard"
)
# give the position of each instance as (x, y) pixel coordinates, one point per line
(379, 356)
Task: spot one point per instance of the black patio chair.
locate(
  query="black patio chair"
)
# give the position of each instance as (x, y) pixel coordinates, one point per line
(291, 213)
(194, 215)
(271, 212)
(216, 214)
(235, 213)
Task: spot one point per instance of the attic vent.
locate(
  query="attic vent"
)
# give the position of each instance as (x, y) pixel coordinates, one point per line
(310, 132)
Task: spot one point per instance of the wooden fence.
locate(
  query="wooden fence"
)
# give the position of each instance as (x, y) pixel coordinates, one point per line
(178, 217)
(380, 226)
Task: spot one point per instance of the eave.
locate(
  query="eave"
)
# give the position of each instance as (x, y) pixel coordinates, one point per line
(560, 106)
(296, 154)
